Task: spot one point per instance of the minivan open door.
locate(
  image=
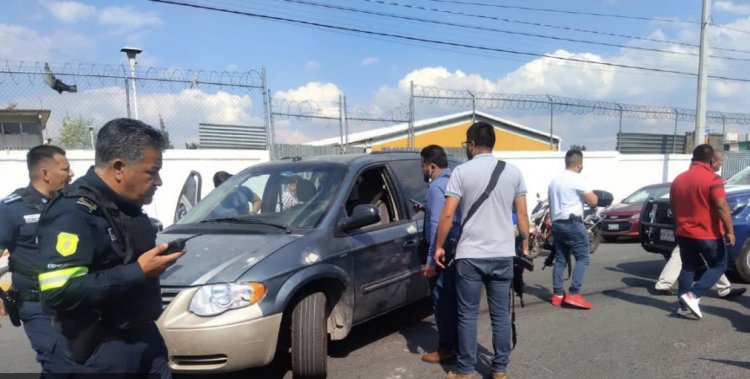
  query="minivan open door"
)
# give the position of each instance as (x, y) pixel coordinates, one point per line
(189, 196)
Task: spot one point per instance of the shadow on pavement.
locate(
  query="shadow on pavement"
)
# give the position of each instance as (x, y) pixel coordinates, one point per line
(420, 335)
(643, 269)
(728, 362)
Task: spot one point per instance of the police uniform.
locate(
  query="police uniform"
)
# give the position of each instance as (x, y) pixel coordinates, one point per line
(90, 239)
(19, 214)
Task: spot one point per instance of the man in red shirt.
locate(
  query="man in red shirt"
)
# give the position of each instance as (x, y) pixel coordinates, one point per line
(703, 223)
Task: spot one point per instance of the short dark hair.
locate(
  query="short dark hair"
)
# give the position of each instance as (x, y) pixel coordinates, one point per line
(39, 153)
(573, 156)
(221, 177)
(703, 153)
(434, 154)
(127, 139)
(482, 133)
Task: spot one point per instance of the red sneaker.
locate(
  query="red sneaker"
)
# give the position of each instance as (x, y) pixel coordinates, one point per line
(576, 301)
(556, 300)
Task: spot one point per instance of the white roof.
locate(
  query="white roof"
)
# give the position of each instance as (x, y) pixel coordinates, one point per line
(422, 126)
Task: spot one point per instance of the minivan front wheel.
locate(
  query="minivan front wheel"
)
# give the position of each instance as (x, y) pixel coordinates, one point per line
(310, 337)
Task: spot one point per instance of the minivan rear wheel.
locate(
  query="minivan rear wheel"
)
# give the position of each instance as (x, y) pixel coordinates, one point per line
(743, 262)
(310, 337)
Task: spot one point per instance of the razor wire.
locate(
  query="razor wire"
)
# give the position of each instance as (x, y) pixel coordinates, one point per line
(522, 102)
(311, 109)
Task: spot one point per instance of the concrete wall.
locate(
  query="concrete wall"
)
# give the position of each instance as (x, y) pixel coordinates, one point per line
(610, 171)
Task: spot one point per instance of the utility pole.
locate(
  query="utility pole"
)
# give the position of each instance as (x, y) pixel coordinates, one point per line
(700, 109)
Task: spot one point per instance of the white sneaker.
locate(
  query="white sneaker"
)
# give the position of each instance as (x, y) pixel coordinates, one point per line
(692, 303)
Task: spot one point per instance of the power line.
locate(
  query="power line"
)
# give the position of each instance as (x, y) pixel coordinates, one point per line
(439, 42)
(477, 27)
(611, 15)
(530, 23)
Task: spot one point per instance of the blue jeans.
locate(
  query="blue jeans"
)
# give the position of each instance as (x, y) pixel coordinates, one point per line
(571, 239)
(693, 252)
(443, 291)
(496, 275)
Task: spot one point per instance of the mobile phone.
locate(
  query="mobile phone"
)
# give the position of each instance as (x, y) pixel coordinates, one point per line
(178, 244)
(416, 203)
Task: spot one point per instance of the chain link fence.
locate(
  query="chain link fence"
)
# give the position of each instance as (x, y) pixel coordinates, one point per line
(80, 98)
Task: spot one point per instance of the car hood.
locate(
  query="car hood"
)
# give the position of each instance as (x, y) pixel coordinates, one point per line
(623, 209)
(219, 258)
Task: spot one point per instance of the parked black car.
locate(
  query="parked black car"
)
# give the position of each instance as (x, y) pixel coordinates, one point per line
(657, 228)
(293, 275)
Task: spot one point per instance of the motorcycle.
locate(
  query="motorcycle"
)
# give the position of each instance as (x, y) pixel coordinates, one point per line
(540, 235)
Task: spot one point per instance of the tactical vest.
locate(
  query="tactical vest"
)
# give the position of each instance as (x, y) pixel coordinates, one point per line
(16, 265)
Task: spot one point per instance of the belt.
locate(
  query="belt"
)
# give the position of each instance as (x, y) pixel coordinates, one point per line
(570, 220)
(19, 269)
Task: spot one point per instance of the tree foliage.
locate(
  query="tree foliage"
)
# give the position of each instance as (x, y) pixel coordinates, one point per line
(76, 133)
(578, 147)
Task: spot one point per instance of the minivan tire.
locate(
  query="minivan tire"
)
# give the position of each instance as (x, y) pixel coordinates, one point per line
(310, 337)
(743, 262)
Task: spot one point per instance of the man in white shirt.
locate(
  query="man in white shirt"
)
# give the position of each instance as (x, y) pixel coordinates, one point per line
(566, 195)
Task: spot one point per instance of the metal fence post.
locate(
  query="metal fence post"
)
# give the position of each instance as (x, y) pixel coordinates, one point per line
(674, 135)
(619, 133)
(551, 123)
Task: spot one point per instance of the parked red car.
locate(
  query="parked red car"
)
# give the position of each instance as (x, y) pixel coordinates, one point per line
(621, 220)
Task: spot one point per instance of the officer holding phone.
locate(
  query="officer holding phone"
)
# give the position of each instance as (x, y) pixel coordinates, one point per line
(100, 264)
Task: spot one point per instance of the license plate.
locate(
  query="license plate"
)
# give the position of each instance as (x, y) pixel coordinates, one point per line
(613, 227)
(666, 235)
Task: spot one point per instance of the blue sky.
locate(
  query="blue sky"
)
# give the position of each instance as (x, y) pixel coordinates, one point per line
(312, 63)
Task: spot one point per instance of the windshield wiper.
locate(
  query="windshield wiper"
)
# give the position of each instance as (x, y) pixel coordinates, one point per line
(249, 221)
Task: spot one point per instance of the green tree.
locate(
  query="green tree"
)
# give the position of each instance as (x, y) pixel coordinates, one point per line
(579, 147)
(76, 133)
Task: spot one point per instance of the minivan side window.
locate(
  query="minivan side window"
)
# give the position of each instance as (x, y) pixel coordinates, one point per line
(409, 174)
(373, 187)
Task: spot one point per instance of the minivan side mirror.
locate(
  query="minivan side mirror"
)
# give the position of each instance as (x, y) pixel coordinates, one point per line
(363, 215)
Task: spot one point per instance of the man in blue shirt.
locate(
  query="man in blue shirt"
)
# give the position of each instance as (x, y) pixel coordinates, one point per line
(442, 281)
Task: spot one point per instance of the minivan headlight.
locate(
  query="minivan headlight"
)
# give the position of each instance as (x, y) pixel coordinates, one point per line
(215, 299)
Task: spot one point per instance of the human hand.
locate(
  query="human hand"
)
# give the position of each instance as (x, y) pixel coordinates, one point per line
(153, 263)
(440, 257)
(730, 239)
(429, 271)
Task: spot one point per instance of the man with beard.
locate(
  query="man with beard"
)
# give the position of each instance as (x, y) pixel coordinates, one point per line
(442, 281)
(99, 264)
(49, 171)
(487, 190)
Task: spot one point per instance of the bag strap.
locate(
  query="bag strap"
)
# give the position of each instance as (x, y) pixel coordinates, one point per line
(486, 194)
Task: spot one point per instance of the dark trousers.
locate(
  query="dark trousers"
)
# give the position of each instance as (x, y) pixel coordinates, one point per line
(140, 352)
(443, 293)
(693, 252)
(496, 275)
(43, 336)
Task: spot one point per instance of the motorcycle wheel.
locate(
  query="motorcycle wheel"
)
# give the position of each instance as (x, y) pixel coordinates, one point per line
(535, 246)
(594, 239)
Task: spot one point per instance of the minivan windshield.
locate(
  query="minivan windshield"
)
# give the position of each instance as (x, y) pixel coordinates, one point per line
(285, 195)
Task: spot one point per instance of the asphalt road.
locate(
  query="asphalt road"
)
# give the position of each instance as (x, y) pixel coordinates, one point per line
(630, 332)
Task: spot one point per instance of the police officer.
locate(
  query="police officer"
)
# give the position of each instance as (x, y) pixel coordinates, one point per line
(49, 171)
(100, 265)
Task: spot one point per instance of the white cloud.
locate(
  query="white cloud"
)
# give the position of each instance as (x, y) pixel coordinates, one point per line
(731, 7)
(22, 43)
(313, 96)
(126, 18)
(312, 65)
(71, 11)
(369, 61)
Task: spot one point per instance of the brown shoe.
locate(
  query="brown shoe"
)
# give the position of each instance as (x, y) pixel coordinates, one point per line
(499, 375)
(439, 357)
(460, 375)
